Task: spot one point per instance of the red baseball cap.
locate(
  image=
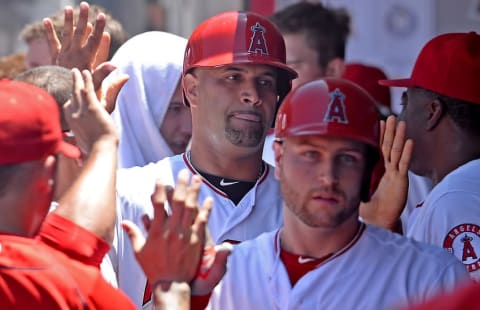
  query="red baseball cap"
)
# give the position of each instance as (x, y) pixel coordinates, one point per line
(367, 77)
(29, 124)
(448, 64)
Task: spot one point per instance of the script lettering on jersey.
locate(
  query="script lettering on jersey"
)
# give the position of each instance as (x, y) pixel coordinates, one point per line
(336, 111)
(257, 41)
(464, 242)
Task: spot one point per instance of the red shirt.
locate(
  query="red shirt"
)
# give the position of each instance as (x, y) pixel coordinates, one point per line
(56, 270)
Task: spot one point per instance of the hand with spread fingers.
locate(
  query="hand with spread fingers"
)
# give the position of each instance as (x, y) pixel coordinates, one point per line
(388, 201)
(86, 115)
(82, 46)
(175, 243)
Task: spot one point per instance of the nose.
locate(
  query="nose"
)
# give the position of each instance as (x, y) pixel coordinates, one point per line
(327, 173)
(249, 93)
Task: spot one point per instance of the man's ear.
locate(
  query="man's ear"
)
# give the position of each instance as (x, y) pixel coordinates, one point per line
(278, 153)
(435, 112)
(335, 68)
(190, 88)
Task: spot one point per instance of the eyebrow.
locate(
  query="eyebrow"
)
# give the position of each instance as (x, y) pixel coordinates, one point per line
(269, 72)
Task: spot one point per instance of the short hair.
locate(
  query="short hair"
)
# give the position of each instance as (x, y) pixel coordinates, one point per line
(117, 34)
(465, 114)
(326, 29)
(56, 80)
(12, 65)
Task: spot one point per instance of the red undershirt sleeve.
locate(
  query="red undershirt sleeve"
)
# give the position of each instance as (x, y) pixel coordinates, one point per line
(73, 240)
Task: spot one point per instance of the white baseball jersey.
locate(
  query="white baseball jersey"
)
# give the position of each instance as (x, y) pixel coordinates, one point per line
(450, 216)
(380, 270)
(259, 211)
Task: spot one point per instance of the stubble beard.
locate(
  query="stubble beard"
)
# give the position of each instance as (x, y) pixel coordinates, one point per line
(298, 205)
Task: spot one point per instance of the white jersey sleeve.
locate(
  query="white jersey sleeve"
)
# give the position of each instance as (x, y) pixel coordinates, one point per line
(450, 216)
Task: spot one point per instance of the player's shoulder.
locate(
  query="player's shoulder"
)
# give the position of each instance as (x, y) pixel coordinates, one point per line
(20, 252)
(262, 247)
(394, 244)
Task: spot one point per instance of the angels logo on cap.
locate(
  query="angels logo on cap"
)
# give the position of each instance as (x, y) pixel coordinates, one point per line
(336, 108)
(257, 41)
(464, 242)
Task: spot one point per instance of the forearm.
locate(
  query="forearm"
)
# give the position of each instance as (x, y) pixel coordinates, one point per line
(90, 201)
(173, 296)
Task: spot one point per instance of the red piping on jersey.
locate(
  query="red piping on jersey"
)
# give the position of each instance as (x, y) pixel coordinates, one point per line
(189, 165)
(347, 247)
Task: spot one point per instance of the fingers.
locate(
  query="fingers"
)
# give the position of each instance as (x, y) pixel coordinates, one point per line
(103, 53)
(67, 33)
(82, 25)
(388, 136)
(53, 41)
(199, 227)
(398, 143)
(78, 85)
(112, 92)
(191, 210)
(158, 199)
(94, 40)
(178, 199)
(406, 157)
(134, 234)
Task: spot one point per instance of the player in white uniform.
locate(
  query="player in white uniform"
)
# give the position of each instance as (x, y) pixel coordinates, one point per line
(442, 113)
(323, 258)
(234, 75)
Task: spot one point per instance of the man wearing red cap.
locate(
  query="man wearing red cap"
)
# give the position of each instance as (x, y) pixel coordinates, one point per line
(323, 257)
(52, 262)
(442, 112)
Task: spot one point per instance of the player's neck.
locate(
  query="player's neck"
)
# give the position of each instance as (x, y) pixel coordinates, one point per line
(245, 167)
(300, 239)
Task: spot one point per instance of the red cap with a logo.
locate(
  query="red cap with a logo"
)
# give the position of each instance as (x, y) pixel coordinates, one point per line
(449, 65)
(29, 124)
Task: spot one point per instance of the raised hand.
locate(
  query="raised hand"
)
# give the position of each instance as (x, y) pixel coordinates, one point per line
(175, 243)
(86, 115)
(82, 46)
(388, 201)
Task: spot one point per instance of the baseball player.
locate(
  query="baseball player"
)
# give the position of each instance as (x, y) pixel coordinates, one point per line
(59, 268)
(442, 110)
(234, 76)
(324, 257)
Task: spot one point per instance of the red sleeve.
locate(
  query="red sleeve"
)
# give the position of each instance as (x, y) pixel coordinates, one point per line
(199, 302)
(73, 240)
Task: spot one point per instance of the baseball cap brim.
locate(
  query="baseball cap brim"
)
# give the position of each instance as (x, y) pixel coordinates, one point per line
(397, 83)
(69, 150)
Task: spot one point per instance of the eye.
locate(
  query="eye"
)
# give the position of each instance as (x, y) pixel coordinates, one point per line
(348, 159)
(175, 108)
(311, 154)
(232, 77)
(266, 83)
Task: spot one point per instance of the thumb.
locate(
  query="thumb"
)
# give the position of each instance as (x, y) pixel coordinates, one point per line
(219, 266)
(112, 92)
(134, 234)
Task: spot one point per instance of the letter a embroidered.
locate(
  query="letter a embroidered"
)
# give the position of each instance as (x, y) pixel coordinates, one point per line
(336, 108)
(468, 250)
(257, 41)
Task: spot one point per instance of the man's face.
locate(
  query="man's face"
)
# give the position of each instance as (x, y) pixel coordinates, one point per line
(321, 178)
(234, 105)
(302, 58)
(176, 127)
(38, 53)
(413, 113)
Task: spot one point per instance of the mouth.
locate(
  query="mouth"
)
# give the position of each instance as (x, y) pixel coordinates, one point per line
(247, 116)
(327, 198)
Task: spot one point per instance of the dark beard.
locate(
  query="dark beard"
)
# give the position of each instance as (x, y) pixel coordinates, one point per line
(250, 137)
